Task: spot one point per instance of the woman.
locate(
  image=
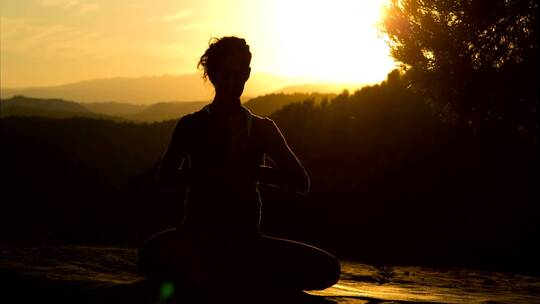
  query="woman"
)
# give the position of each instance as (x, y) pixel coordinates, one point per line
(218, 153)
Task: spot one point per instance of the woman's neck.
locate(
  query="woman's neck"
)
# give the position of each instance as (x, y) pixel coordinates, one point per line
(222, 104)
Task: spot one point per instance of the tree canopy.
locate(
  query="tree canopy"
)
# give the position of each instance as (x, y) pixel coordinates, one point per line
(475, 60)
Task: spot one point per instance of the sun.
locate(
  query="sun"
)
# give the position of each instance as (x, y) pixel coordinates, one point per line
(331, 41)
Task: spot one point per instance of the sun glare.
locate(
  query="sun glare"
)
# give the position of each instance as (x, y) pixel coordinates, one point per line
(307, 41)
(331, 41)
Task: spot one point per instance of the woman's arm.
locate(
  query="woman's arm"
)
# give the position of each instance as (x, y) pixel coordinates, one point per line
(289, 172)
(170, 176)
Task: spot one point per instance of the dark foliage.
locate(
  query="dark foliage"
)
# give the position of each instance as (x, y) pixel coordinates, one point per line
(390, 182)
(65, 178)
(388, 174)
(475, 60)
(268, 104)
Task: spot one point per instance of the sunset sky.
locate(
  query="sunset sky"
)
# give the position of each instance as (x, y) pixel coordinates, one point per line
(49, 42)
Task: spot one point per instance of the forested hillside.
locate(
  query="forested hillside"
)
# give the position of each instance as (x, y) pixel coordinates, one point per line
(387, 174)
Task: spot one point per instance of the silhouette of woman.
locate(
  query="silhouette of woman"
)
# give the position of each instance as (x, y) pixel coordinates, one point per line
(219, 154)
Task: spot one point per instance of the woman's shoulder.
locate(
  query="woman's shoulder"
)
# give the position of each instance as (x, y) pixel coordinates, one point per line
(194, 117)
(257, 119)
(262, 126)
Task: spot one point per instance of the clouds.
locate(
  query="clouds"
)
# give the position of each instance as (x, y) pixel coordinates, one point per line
(80, 7)
(50, 42)
(55, 28)
(62, 3)
(177, 16)
(182, 21)
(24, 38)
(89, 38)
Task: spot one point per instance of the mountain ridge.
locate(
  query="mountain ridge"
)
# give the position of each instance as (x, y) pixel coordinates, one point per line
(20, 105)
(147, 90)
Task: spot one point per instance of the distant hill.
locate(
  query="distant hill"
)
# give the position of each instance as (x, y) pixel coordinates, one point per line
(268, 104)
(58, 108)
(53, 108)
(166, 110)
(114, 108)
(319, 88)
(147, 90)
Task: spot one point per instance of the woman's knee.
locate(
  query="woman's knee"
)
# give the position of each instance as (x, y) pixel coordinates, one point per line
(332, 272)
(153, 255)
(328, 272)
(317, 268)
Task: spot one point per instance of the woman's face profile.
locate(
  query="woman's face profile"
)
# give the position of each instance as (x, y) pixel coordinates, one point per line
(231, 76)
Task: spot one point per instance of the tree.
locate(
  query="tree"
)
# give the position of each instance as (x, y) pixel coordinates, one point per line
(475, 60)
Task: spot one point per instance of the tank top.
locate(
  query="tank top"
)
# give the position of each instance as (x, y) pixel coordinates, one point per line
(226, 206)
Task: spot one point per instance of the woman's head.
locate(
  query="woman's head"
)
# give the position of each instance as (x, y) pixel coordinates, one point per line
(226, 64)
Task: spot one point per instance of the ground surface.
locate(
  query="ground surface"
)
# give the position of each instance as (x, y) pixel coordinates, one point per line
(82, 274)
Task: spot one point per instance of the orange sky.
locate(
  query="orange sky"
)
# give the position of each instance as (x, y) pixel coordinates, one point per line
(48, 42)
